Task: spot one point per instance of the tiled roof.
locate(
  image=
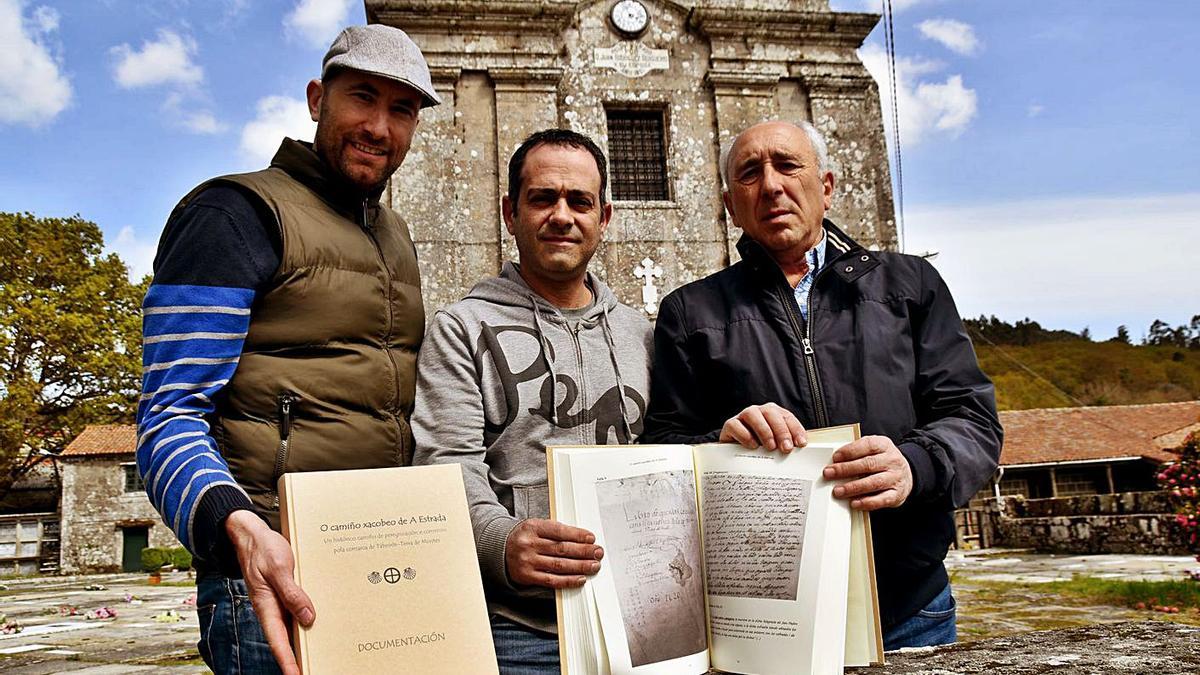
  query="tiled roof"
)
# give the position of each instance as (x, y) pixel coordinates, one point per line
(103, 439)
(1098, 432)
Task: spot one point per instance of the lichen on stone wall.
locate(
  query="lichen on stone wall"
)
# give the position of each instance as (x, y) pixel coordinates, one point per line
(533, 69)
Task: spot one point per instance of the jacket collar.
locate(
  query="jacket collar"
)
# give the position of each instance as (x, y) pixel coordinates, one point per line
(847, 257)
(300, 161)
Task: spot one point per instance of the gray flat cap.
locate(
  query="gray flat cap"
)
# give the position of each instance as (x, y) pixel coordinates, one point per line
(384, 51)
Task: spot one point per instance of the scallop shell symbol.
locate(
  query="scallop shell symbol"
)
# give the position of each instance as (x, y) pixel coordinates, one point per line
(410, 573)
(374, 577)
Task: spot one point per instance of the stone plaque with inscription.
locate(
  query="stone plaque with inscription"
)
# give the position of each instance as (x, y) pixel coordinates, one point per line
(631, 59)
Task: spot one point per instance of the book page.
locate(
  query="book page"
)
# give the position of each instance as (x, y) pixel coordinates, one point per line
(640, 502)
(776, 547)
(864, 634)
(581, 647)
(754, 527)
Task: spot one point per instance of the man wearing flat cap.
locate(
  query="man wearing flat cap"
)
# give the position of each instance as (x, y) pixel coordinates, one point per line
(281, 333)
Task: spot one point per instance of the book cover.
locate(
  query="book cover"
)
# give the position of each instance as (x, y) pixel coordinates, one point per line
(388, 558)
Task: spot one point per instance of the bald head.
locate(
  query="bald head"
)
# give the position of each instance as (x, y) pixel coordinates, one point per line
(815, 140)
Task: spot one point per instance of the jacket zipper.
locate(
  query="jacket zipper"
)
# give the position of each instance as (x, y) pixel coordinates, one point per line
(286, 399)
(810, 354)
(810, 358)
(387, 296)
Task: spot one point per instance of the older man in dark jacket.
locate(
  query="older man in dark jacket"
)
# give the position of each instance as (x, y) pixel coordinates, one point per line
(812, 330)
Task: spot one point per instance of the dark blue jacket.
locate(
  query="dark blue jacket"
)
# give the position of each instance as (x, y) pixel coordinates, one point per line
(884, 346)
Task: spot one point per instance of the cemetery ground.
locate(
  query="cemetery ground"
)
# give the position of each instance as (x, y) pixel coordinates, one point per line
(999, 593)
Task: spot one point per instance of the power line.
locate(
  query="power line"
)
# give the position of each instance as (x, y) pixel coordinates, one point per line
(1079, 404)
(889, 39)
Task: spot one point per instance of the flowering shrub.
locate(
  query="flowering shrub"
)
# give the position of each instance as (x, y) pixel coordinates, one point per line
(1182, 481)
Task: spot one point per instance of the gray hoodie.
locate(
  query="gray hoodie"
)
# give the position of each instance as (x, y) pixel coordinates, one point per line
(503, 374)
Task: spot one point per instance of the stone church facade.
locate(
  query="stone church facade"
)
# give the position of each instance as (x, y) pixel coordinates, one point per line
(662, 86)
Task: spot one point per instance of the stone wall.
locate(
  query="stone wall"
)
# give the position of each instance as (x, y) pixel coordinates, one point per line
(506, 68)
(1132, 522)
(94, 506)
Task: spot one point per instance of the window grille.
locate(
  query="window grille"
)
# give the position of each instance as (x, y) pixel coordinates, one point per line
(637, 155)
(1070, 483)
(1014, 486)
(133, 480)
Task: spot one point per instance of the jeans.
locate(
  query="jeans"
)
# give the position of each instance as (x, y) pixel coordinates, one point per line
(231, 640)
(933, 625)
(524, 651)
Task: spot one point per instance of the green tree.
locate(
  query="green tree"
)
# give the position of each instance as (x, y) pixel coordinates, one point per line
(69, 337)
(1122, 335)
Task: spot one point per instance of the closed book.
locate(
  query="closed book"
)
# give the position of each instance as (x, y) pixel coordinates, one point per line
(388, 558)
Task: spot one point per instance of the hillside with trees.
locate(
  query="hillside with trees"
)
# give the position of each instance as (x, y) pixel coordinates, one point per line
(1034, 367)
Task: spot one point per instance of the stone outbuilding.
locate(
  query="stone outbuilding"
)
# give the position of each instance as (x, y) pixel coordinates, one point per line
(1067, 452)
(1082, 480)
(662, 86)
(107, 518)
(29, 521)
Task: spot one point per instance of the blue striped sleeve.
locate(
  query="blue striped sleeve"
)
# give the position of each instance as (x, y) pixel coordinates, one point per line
(192, 337)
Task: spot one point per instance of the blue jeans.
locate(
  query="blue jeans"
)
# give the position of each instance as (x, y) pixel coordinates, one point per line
(231, 640)
(934, 625)
(524, 651)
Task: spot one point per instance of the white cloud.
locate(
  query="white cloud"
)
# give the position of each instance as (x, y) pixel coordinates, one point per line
(317, 22)
(278, 116)
(167, 60)
(1035, 109)
(137, 253)
(33, 88)
(203, 122)
(180, 110)
(1067, 262)
(44, 19)
(954, 35)
(925, 106)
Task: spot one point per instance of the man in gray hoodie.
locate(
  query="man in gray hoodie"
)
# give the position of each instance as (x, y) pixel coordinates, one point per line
(541, 355)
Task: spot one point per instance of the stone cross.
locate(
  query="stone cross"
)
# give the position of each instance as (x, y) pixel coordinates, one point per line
(648, 271)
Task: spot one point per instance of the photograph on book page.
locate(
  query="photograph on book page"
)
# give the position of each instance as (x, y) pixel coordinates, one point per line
(653, 544)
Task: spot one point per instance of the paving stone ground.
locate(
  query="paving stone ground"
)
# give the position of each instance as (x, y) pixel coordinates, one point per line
(135, 642)
(1019, 605)
(53, 641)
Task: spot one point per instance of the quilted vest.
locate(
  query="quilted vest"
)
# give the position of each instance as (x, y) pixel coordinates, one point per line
(328, 371)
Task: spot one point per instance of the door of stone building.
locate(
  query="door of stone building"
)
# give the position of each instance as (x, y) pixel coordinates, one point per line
(134, 540)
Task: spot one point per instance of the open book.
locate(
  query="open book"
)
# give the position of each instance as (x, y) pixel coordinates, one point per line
(715, 557)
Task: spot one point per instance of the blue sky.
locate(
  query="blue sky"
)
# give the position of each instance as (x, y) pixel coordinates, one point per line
(1050, 149)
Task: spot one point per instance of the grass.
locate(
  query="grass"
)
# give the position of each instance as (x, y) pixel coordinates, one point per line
(1184, 594)
(996, 608)
(180, 584)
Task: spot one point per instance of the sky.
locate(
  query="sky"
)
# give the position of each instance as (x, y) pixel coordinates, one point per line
(1050, 150)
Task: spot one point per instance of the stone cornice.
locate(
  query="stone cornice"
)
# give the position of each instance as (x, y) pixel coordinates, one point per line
(834, 79)
(473, 16)
(741, 79)
(837, 29)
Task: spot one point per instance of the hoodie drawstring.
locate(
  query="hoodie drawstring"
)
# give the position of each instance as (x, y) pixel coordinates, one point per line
(612, 353)
(537, 322)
